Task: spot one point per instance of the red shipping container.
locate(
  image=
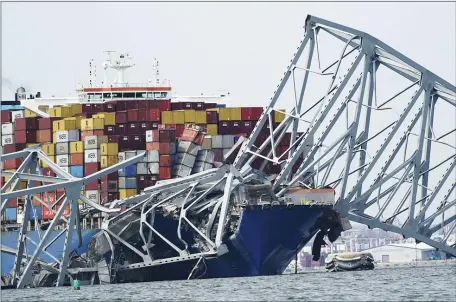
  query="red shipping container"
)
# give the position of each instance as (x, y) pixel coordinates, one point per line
(111, 176)
(187, 105)
(11, 148)
(176, 106)
(137, 142)
(86, 133)
(281, 150)
(167, 135)
(209, 105)
(110, 130)
(45, 123)
(121, 129)
(90, 168)
(25, 137)
(121, 106)
(165, 160)
(87, 108)
(143, 114)
(109, 107)
(132, 115)
(144, 126)
(179, 130)
(212, 117)
(48, 197)
(77, 159)
(12, 203)
(251, 113)
(153, 146)
(247, 127)
(154, 104)
(121, 117)
(93, 185)
(164, 148)
(133, 128)
(13, 163)
(286, 139)
(124, 141)
(113, 138)
(168, 126)
(6, 116)
(154, 115)
(97, 108)
(198, 105)
(165, 105)
(143, 104)
(98, 132)
(44, 136)
(165, 173)
(224, 128)
(48, 172)
(131, 105)
(29, 123)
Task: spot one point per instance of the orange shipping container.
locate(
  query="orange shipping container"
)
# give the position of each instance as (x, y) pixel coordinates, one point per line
(77, 159)
(44, 136)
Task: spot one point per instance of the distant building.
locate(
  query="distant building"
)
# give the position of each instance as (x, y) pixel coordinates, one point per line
(404, 252)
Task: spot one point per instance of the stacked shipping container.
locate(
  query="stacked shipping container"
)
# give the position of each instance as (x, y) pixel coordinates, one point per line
(179, 139)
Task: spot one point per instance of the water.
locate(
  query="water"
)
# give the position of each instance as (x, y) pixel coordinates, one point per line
(431, 283)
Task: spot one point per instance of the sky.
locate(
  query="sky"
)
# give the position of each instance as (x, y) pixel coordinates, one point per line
(242, 48)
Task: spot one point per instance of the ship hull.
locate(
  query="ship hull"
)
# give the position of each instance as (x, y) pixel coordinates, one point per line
(264, 243)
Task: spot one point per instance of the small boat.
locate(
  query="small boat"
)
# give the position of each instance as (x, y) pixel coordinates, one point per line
(349, 261)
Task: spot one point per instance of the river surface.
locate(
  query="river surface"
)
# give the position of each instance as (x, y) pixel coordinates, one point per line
(431, 283)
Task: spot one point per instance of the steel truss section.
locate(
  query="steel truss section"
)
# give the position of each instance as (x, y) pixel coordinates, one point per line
(29, 170)
(346, 123)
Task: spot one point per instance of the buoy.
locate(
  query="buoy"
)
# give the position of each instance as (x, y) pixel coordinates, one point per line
(76, 285)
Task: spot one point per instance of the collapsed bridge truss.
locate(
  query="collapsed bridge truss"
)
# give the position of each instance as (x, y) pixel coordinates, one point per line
(362, 120)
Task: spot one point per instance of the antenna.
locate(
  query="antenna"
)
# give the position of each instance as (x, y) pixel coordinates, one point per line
(157, 73)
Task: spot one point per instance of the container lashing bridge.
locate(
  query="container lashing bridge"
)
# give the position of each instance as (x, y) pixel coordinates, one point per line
(362, 120)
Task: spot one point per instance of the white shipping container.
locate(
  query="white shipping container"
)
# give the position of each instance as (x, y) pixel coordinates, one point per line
(141, 168)
(188, 147)
(62, 148)
(7, 139)
(149, 136)
(181, 171)
(152, 156)
(227, 141)
(93, 195)
(94, 142)
(67, 136)
(154, 168)
(207, 142)
(66, 169)
(201, 166)
(7, 129)
(185, 159)
(217, 141)
(205, 156)
(130, 154)
(16, 114)
(62, 160)
(121, 156)
(92, 156)
(144, 160)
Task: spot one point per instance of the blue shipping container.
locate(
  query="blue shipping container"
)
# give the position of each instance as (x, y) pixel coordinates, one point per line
(129, 171)
(37, 211)
(220, 106)
(11, 214)
(11, 107)
(130, 182)
(77, 171)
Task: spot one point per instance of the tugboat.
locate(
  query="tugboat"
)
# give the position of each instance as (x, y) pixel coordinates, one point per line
(349, 262)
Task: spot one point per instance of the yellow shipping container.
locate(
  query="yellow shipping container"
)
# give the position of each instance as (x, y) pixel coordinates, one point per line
(179, 117)
(29, 113)
(213, 109)
(124, 193)
(189, 116)
(64, 125)
(76, 147)
(212, 129)
(44, 108)
(167, 117)
(279, 116)
(108, 160)
(224, 114)
(235, 114)
(64, 111)
(109, 149)
(88, 124)
(200, 117)
(108, 117)
(48, 149)
(43, 164)
(76, 109)
(32, 144)
(77, 121)
(22, 186)
(10, 170)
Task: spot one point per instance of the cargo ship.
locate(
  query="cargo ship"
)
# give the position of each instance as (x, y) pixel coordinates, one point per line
(181, 136)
